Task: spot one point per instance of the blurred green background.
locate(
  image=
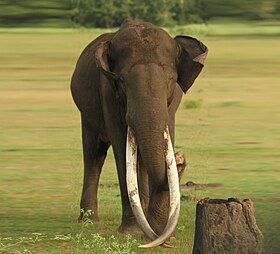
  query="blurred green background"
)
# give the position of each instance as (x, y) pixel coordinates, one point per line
(108, 13)
(227, 124)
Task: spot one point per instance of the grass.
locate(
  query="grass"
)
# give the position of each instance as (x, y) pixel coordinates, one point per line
(192, 104)
(232, 138)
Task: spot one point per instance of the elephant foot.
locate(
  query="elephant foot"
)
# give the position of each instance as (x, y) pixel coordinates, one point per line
(128, 228)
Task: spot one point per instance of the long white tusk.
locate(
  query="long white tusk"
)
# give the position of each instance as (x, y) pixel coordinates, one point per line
(132, 185)
(174, 192)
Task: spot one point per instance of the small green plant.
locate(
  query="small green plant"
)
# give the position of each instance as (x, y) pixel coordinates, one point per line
(87, 242)
(192, 104)
(17, 245)
(95, 243)
(86, 217)
(125, 247)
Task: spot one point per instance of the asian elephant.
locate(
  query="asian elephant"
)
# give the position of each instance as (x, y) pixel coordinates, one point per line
(127, 86)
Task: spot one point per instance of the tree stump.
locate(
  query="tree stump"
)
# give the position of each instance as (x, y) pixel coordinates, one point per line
(226, 227)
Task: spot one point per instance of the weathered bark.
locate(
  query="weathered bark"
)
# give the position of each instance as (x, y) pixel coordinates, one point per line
(226, 227)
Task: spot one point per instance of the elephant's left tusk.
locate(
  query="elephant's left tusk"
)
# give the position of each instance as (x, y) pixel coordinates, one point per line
(173, 183)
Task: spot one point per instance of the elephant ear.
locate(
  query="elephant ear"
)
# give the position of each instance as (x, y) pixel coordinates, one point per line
(190, 61)
(103, 62)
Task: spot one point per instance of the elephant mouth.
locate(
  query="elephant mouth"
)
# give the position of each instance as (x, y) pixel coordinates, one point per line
(133, 191)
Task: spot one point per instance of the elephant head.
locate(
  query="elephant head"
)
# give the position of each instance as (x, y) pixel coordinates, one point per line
(143, 65)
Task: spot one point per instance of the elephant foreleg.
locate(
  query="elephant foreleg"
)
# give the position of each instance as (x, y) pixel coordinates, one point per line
(94, 152)
(128, 220)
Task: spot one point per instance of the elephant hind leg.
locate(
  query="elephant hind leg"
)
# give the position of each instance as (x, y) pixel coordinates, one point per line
(94, 153)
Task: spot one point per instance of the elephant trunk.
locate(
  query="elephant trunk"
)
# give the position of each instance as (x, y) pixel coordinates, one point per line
(147, 120)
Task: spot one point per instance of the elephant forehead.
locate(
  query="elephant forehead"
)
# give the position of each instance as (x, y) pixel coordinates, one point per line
(142, 44)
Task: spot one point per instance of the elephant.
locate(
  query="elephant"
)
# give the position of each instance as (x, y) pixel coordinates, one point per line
(127, 86)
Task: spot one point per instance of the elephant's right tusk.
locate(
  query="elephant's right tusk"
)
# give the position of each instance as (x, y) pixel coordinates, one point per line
(132, 185)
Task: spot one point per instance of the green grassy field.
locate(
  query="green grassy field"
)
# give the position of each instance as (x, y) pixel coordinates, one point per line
(227, 125)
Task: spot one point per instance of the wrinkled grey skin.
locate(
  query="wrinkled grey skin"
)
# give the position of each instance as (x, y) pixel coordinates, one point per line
(135, 76)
